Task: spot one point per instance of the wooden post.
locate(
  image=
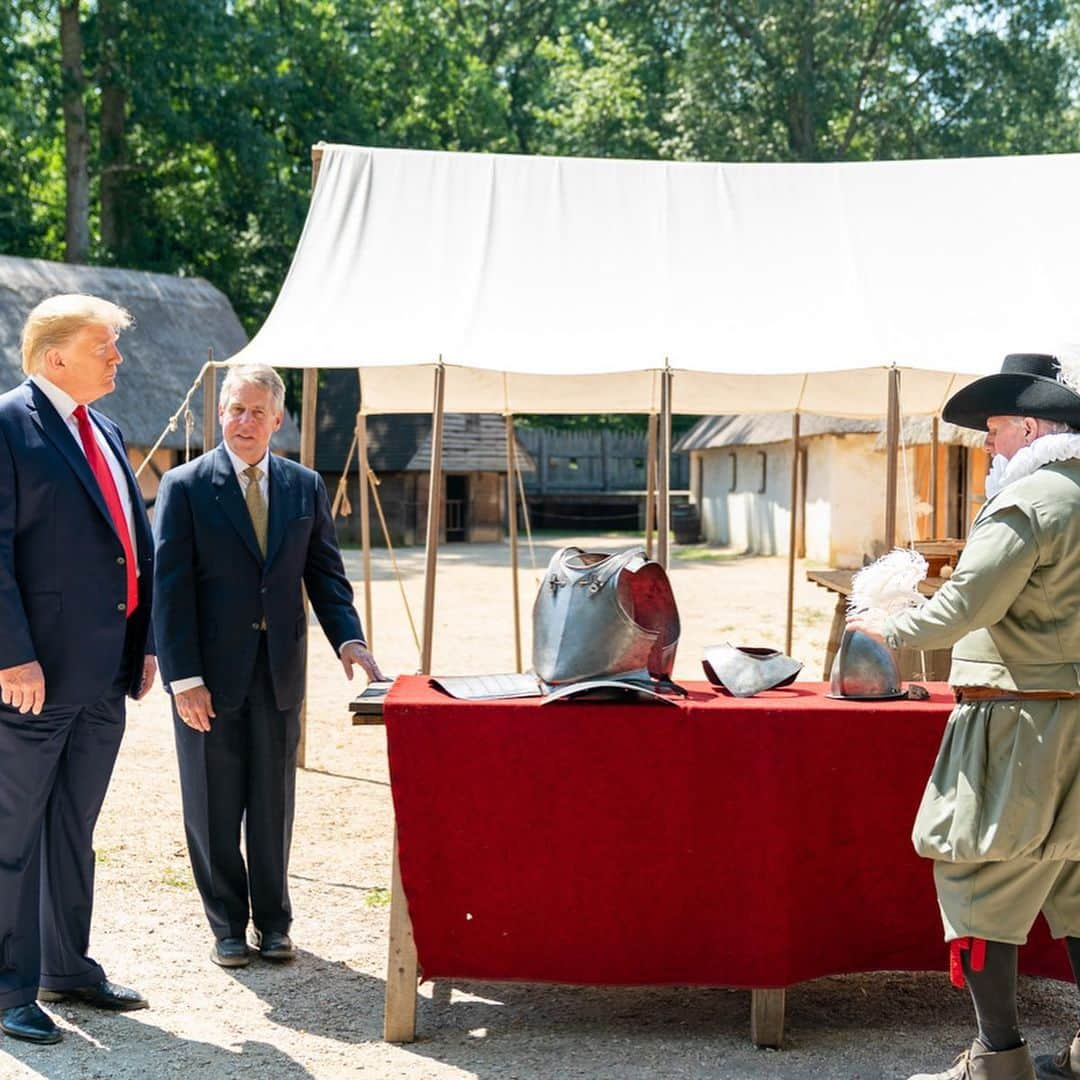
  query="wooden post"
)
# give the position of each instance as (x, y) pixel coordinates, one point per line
(399, 1010)
(664, 471)
(307, 457)
(892, 435)
(210, 404)
(934, 435)
(650, 485)
(767, 1017)
(511, 526)
(793, 533)
(365, 522)
(434, 514)
(316, 162)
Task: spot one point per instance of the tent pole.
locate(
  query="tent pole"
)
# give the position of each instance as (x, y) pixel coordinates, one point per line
(934, 448)
(650, 486)
(793, 535)
(308, 405)
(316, 162)
(892, 434)
(210, 404)
(365, 509)
(664, 471)
(511, 528)
(434, 514)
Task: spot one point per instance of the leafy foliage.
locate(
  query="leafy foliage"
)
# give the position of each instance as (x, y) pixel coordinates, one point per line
(205, 161)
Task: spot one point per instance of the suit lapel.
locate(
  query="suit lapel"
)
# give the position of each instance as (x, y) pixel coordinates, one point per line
(280, 505)
(231, 500)
(59, 434)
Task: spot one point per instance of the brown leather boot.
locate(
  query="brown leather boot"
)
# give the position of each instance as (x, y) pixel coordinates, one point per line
(978, 1063)
(1062, 1066)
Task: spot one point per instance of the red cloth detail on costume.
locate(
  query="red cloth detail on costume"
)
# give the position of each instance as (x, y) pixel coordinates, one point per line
(976, 946)
(753, 842)
(103, 474)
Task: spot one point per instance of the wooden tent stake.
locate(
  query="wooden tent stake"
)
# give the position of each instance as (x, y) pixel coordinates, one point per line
(793, 534)
(511, 525)
(434, 514)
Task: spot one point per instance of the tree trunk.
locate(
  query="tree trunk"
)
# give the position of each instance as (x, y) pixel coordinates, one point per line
(802, 102)
(76, 137)
(113, 146)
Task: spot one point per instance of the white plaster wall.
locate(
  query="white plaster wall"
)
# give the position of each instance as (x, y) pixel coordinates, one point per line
(819, 508)
(747, 519)
(857, 490)
(713, 507)
(845, 499)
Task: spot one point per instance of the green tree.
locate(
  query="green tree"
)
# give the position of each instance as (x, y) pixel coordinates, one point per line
(828, 80)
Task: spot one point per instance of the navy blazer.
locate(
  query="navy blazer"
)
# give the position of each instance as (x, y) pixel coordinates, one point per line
(63, 582)
(214, 588)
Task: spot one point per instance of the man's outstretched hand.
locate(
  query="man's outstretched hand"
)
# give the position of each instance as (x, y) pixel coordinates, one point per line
(354, 654)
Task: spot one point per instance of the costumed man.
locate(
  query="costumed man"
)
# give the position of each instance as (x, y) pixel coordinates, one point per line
(239, 531)
(1000, 816)
(76, 571)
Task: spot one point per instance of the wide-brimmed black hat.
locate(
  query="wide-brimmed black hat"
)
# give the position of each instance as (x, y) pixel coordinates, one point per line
(1027, 385)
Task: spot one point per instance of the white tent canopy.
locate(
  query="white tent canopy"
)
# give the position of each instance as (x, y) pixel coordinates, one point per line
(567, 285)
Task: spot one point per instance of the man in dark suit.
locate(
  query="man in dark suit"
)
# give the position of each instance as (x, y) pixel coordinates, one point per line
(76, 573)
(238, 532)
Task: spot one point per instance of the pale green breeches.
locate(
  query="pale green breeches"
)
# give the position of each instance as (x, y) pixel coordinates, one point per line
(1001, 820)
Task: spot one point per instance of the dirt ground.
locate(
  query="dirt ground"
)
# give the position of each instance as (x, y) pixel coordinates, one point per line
(322, 1016)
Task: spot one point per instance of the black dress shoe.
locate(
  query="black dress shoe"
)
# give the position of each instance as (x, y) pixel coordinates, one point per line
(275, 945)
(230, 952)
(102, 995)
(29, 1022)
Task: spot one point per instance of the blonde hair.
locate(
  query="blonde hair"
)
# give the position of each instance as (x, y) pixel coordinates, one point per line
(53, 322)
(260, 375)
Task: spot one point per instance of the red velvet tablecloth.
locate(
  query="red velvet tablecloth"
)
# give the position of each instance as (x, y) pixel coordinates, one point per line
(755, 842)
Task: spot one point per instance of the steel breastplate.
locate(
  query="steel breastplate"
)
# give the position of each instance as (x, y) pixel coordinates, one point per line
(599, 615)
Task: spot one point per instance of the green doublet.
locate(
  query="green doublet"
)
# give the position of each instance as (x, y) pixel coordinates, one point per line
(1005, 782)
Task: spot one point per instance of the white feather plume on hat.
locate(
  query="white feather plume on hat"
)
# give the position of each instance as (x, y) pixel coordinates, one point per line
(1068, 360)
(887, 586)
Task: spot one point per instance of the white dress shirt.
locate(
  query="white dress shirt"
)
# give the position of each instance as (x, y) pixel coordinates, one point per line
(178, 686)
(66, 405)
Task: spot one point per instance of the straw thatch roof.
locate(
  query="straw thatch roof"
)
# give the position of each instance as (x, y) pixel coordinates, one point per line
(713, 432)
(918, 430)
(177, 320)
(401, 442)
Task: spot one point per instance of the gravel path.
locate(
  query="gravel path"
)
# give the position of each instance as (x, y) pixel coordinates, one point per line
(322, 1016)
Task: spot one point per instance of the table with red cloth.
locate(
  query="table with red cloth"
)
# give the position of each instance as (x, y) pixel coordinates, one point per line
(720, 841)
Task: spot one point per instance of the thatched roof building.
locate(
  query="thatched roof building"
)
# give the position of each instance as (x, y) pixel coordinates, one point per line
(765, 429)
(177, 321)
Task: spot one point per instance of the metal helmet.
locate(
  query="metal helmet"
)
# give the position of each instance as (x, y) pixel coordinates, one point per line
(864, 669)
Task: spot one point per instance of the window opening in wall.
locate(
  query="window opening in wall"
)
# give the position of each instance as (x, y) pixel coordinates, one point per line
(734, 459)
(764, 471)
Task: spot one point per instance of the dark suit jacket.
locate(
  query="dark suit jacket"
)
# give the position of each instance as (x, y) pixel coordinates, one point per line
(62, 575)
(214, 588)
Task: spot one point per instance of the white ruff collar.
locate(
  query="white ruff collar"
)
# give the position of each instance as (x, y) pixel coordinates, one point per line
(1047, 448)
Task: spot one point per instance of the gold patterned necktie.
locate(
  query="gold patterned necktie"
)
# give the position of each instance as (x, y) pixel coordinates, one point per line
(256, 505)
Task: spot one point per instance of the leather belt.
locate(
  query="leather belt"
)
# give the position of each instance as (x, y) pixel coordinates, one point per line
(996, 693)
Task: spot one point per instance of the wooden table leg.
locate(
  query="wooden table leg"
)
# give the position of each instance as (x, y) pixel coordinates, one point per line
(767, 1017)
(836, 633)
(399, 1014)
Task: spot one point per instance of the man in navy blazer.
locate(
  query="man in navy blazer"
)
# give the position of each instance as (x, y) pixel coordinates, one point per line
(76, 575)
(238, 531)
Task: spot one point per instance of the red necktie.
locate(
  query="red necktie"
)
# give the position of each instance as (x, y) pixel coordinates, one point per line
(103, 474)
